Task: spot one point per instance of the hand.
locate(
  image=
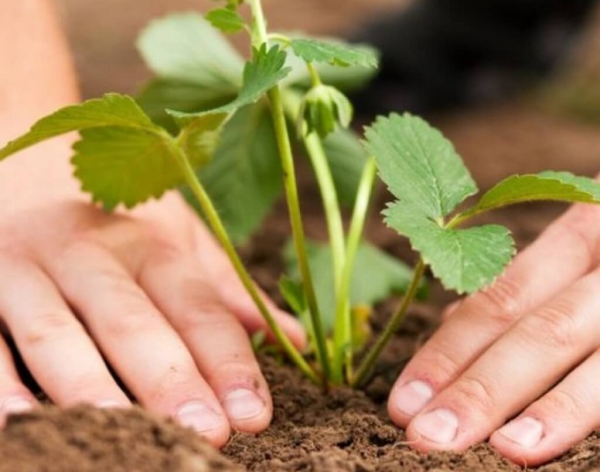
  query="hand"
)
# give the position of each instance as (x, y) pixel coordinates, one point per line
(527, 348)
(148, 291)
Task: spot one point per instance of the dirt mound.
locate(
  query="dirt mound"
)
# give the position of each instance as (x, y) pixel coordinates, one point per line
(84, 439)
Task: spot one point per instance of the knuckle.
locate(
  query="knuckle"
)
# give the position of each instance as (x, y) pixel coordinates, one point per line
(132, 321)
(179, 379)
(565, 405)
(79, 244)
(233, 369)
(500, 302)
(51, 326)
(206, 319)
(446, 366)
(579, 224)
(86, 387)
(165, 251)
(476, 393)
(554, 325)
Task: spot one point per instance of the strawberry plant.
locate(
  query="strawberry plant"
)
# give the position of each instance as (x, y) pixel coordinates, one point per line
(221, 130)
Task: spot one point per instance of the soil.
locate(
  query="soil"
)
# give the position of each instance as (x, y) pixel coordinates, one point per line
(345, 430)
(83, 439)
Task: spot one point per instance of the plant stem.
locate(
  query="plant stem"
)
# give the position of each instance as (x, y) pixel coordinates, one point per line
(260, 35)
(343, 316)
(221, 234)
(293, 202)
(291, 189)
(367, 364)
(314, 74)
(333, 214)
(462, 217)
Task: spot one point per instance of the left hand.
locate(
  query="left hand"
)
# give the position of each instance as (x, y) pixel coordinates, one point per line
(527, 348)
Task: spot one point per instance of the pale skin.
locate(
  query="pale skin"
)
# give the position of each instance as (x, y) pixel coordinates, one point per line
(149, 293)
(527, 348)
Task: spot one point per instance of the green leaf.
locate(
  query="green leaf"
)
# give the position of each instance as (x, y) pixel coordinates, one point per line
(585, 184)
(189, 77)
(335, 52)
(547, 186)
(264, 72)
(159, 95)
(244, 177)
(292, 292)
(232, 4)
(419, 165)
(111, 110)
(376, 277)
(346, 79)
(346, 158)
(199, 139)
(226, 19)
(120, 165)
(122, 156)
(465, 260)
(185, 47)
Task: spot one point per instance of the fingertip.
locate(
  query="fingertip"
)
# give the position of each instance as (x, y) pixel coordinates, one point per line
(408, 400)
(16, 405)
(529, 441)
(247, 410)
(204, 420)
(520, 455)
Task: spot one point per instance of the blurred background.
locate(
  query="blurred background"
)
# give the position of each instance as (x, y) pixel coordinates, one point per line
(103, 33)
(552, 123)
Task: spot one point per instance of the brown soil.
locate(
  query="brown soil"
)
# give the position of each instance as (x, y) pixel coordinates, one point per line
(82, 439)
(343, 431)
(346, 430)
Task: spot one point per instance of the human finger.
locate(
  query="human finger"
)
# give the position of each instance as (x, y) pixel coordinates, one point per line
(536, 275)
(137, 340)
(15, 398)
(53, 343)
(224, 280)
(557, 421)
(516, 370)
(218, 341)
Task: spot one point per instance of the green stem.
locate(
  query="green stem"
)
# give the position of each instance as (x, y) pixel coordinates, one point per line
(343, 316)
(260, 35)
(462, 217)
(314, 74)
(333, 214)
(291, 189)
(286, 41)
(368, 362)
(221, 234)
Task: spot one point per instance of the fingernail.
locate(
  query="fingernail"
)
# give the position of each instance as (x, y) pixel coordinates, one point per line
(526, 432)
(411, 398)
(199, 417)
(14, 406)
(243, 404)
(440, 426)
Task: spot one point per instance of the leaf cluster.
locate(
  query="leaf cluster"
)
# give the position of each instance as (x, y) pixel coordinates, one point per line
(429, 180)
(205, 111)
(205, 80)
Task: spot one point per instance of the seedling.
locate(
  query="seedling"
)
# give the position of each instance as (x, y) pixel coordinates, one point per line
(221, 129)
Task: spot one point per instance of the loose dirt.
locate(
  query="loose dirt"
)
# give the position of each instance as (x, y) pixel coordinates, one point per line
(346, 430)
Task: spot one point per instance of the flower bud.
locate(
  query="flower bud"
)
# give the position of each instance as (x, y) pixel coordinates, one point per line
(323, 109)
